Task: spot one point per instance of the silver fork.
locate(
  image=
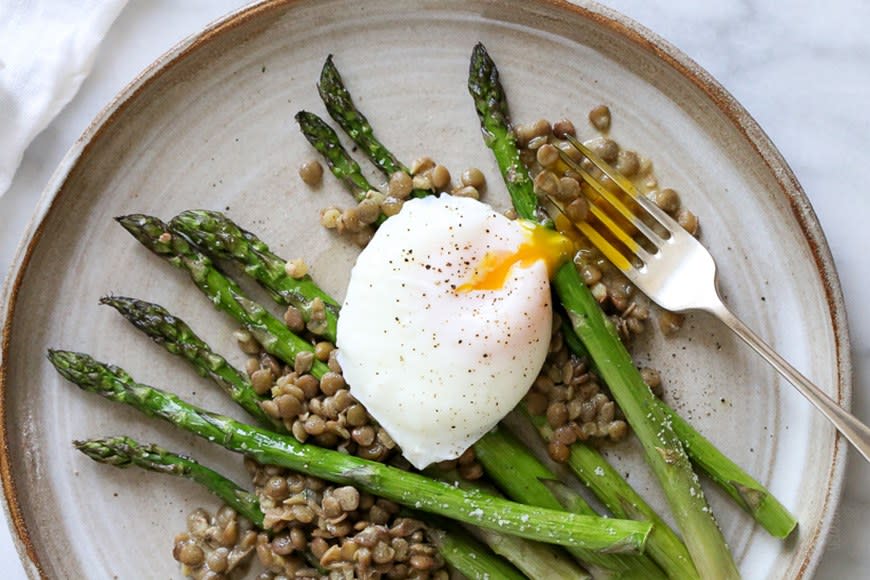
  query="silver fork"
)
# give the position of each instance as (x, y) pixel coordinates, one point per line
(679, 274)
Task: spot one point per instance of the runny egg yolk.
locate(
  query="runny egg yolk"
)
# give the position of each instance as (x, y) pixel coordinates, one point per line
(541, 243)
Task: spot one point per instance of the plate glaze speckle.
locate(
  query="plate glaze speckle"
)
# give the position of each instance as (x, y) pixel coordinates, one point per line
(211, 125)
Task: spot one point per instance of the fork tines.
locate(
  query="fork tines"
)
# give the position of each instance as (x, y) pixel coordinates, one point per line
(619, 212)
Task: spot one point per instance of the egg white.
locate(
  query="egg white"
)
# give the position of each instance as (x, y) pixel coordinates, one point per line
(436, 368)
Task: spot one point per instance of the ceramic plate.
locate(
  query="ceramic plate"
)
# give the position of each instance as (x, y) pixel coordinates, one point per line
(211, 125)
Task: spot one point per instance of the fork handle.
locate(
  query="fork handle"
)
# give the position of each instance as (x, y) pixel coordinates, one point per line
(856, 432)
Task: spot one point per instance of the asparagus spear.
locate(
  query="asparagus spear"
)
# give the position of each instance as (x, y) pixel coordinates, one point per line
(272, 333)
(664, 452)
(406, 488)
(222, 238)
(124, 452)
(339, 161)
(533, 559)
(340, 106)
(175, 336)
(491, 104)
(342, 165)
(623, 501)
(749, 494)
(524, 479)
(467, 555)
(745, 490)
(504, 544)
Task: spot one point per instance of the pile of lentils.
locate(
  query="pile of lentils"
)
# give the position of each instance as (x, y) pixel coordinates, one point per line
(214, 545)
(424, 175)
(349, 533)
(319, 411)
(540, 144)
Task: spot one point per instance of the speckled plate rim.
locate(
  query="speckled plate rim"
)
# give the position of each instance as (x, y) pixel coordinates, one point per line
(602, 16)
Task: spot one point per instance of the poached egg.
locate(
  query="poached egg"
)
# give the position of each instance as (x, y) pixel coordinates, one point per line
(447, 322)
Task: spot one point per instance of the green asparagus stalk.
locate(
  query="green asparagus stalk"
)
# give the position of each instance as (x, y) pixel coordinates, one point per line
(525, 479)
(749, 494)
(492, 109)
(325, 141)
(341, 108)
(472, 559)
(409, 489)
(745, 490)
(534, 559)
(557, 564)
(664, 452)
(623, 501)
(222, 290)
(124, 452)
(176, 336)
(222, 238)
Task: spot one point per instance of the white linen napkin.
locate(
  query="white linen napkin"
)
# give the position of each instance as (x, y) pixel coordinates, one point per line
(47, 48)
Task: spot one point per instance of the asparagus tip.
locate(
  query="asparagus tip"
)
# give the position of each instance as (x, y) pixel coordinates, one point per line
(130, 220)
(60, 358)
(328, 76)
(89, 374)
(150, 231)
(145, 316)
(479, 53)
(110, 450)
(116, 302)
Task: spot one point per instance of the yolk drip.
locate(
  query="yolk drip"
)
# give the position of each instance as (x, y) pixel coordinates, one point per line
(565, 227)
(574, 230)
(541, 243)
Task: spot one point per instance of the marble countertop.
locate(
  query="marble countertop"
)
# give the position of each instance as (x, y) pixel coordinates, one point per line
(800, 70)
